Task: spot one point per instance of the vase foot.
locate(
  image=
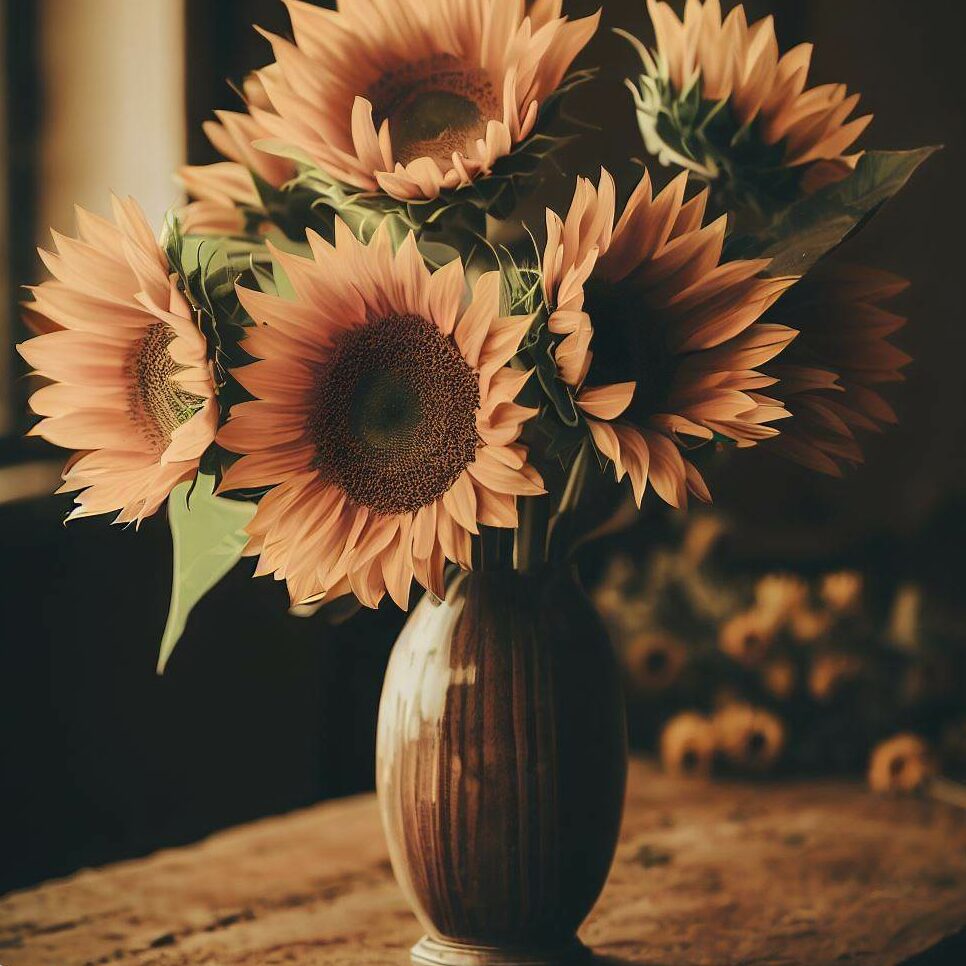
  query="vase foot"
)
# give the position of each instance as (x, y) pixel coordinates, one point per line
(439, 952)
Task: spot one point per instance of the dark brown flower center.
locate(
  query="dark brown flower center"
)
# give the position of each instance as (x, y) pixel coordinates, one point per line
(433, 107)
(753, 644)
(757, 744)
(629, 346)
(159, 405)
(395, 418)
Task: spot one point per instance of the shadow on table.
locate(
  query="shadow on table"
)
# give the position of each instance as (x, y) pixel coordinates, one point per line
(596, 960)
(950, 951)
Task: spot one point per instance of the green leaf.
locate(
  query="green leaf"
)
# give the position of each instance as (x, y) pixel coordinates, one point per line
(292, 209)
(813, 226)
(265, 279)
(208, 535)
(283, 286)
(540, 347)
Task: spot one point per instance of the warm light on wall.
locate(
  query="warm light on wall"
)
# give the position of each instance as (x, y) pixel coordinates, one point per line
(6, 358)
(113, 116)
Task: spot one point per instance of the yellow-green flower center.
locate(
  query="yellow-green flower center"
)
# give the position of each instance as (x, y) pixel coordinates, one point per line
(629, 346)
(384, 411)
(158, 404)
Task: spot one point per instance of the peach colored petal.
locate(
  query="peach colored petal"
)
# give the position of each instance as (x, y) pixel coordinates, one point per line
(606, 440)
(842, 350)
(607, 402)
(460, 503)
(635, 458)
(446, 290)
(474, 326)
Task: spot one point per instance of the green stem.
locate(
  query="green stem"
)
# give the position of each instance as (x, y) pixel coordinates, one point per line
(530, 545)
(561, 523)
(495, 549)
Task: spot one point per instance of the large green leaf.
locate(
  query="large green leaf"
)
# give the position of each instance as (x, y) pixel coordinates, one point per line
(208, 536)
(813, 226)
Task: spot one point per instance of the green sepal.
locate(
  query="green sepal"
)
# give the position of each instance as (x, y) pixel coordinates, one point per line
(208, 537)
(265, 279)
(539, 348)
(209, 268)
(283, 287)
(673, 127)
(523, 295)
(294, 208)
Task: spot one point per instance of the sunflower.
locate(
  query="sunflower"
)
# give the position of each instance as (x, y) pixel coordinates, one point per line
(131, 383)
(223, 191)
(903, 763)
(718, 97)
(384, 420)
(654, 661)
(674, 332)
(780, 678)
(750, 738)
(831, 674)
(688, 745)
(842, 592)
(778, 597)
(416, 96)
(748, 636)
(831, 377)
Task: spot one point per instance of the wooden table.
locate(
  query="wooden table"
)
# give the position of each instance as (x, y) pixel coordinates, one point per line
(816, 873)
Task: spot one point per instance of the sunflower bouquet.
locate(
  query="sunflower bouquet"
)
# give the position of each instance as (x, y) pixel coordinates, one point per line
(348, 357)
(736, 670)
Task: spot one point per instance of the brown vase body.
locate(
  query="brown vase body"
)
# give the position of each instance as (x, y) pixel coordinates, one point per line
(501, 765)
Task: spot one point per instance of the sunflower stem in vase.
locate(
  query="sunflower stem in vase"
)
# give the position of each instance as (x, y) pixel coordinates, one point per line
(530, 544)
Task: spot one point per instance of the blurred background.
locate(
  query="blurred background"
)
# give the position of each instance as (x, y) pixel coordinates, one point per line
(259, 712)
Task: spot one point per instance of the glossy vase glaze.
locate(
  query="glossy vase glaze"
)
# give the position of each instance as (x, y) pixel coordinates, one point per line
(501, 765)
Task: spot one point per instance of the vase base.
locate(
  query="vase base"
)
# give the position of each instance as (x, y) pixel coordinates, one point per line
(439, 952)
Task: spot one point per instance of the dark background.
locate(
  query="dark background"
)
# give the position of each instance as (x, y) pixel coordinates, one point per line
(259, 712)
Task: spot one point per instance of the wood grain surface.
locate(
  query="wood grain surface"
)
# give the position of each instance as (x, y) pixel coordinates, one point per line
(715, 875)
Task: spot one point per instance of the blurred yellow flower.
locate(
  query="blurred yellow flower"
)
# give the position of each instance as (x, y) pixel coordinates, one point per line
(654, 660)
(750, 738)
(903, 763)
(688, 745)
